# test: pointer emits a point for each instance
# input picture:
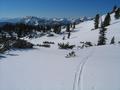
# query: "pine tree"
(68, 28)
(102, 37)
(117, 13)
(69, 34)
(114, 9)
(112, 40)
(57, 28)
(74, 25)
(107, 20)
(97, 21)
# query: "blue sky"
(55, 8)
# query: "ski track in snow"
(78, 74)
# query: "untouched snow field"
(94, 68)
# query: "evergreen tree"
(117, 13)
(71, 25)
(57, 28)
(97, 21)
(74, 25)
(107, 20)
(112, 40)
(68, 28)
(102, 37)
(114, 9)
(69, 34)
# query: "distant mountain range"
(31, 20)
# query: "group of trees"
(69, 26)
(117, 13)
(107, 19)
(116, 10)
(57, 28)
(19, 30)
(104, 23)
(102, 38)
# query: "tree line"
(20, 30)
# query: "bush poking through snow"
(47, 42)
(65, 46)
(50, 35)
(71, 54)
(118, 42)
(22, 44)
(85, 44)
(5, 45)
(19, 44)
(88, 44)
(112, 40)
(44, 45)
(2, 48)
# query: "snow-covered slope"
(94, 68)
